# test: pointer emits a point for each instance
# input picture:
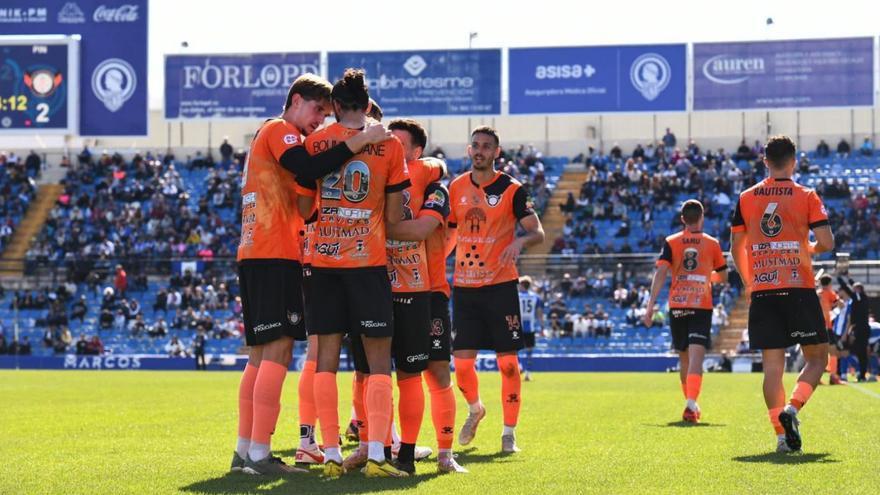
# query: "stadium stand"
(173, 226)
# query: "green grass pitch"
(173, 432)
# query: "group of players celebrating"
(345, 231)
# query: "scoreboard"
(39, 84)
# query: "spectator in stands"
(198, 349)
(161, 303)
(24, 349)
(226, 150)
(719, 316)
(620, 295)
(867, 148)
(566, 284)
(743, 152)
(823, 150)
(2, 343)
(137, 326)
(81, 344)
(174, 348)
(616, 153)
(79, 309)
(108, 300)
(669, 141)
(105, 320)
(33, 163)
(95, 346)
(158, 329)
(659, 317)
(843, 148)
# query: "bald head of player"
(485, 148)
(692, 215)
(411, 135)
(307, 103)
(779, 156)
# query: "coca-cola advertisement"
(122, 13)
(113, 56)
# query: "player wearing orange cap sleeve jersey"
(485, 207)
(695, 260)
(770, 243)
(348, 282)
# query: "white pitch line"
(864, 390)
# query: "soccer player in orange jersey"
(695, 260)
(828, 299)
(349, 290)
(486, 206)
(269, 256)
(770, 243)
(424, 226)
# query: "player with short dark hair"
(770, 243)
(696, 261)
(486, 207)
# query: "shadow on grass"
(778, 458)
(472, 456)
(351, 483)
(685, 424)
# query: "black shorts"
(529, 340)
(487, 318)
(271, 300)
(832, 337)
(782, 318)
(356, 301)
(410, 346)
(690, 326)
(441, 326)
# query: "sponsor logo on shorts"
(417, 357)
(266, 326)
(374, 324)
(679, 313)
(437, 328)
(403, 300)
(435, 344)
(696, 336)
(293, 317)
(803, 335)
